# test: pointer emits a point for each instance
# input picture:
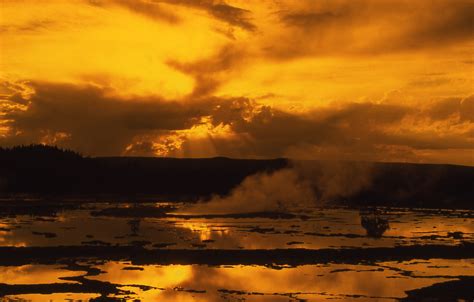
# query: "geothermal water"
(59, 251)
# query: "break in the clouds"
(95, 121)
(87, 118)
(367, 80)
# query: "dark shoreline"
(16, 256)
(50, 173)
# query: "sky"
(371, 80)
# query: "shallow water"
(254, 283)
(320, 228)
(74, 252)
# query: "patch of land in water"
(140, 256)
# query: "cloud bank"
(96, 122)
(368, 80)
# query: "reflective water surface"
(155, 252)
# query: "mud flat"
(139, 255)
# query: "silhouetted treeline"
(419, 185)
(49, 171)
(26, 152)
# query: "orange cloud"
(372, 80)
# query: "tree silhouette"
(39, 150)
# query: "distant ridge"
(50, 171)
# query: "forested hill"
(49, 171)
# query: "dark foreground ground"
(155, 252)
(141, 229)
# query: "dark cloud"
(145, 8)
(233, 15)
(443, 109)
(154, 9)
(428, 140)
(209, 73)
(367, 27)
(220, 10)
(94, 122)
(467, 109)
(355, 131)
(30, 27)
(149, 9)
(274, 131)
(430, 82)
(462, 109)
(453, 23)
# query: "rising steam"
(302, 184)
(277, 191)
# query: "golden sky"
(385, 80)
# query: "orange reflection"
(205, 230)
(382, 280)
(155, 276)
(35, 274)
(6, 239)
(78, 297)
(202, 283)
